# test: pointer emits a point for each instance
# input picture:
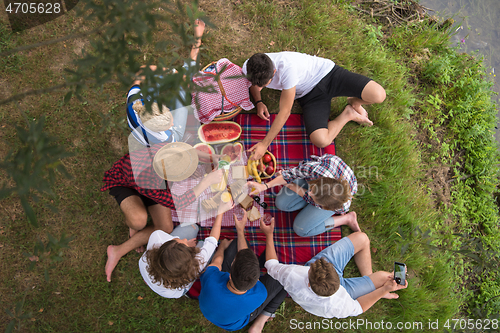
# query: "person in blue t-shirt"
(232, 295)
(146, 135)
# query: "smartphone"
(400, 273)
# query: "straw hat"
(175, 161)
(155, 121)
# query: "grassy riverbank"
(426, 169)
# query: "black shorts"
(316, 105)
(121, 193)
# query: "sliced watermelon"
(206, 148)
(219, 132)
(233, 151)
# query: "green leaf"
(28, 210)
(9, 313)
(10, 327)
(67, 97)
(32, 265)
(19, 307)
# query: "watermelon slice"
(233, 151)
(206, 148)
(219, 132)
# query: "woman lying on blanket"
(173, 261)
(322, 189)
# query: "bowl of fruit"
(263, 168)
(267, 165)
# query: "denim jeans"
(311, 220)
(179, 116)
(188, 232)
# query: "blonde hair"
(155, 120)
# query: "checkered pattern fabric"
(195, 213)
(136, 172)
(290, 147)
(328, 165)
(224, 95)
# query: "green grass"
(391, 160)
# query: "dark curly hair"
(260, 69)
(173, 264)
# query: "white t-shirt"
(294, 69)
(156, 239)
(295, 280)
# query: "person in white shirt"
(319, 286)
(313, 81)
(173, 262)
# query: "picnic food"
(212, 203)
(225, 197)
(269, 165)
(252, 169)
(233, 151)
(239, 172)
(222, 185)
(245, 201)
(254, 214)
(219, 132)
(206, 148)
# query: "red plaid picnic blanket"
(224, 95)
(290, 147)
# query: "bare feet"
(352, 221)
(112, 261)
(131, 233)
(259, 323)
(356, 105)
(390, 296)
(361, 116)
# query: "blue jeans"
(179, 116)
(188, 232)
(311, 220)
(339, 255)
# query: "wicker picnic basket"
(224, 115)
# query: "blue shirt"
(223, 308)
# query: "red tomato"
(267, 158)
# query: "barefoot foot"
(258, 324)
(352, 221)
(131, 233)
(390, 296)
(112, 261)
(358, 117)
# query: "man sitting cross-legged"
(313, 81)
(232, 295)
(320, 288)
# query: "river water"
(476, 31)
